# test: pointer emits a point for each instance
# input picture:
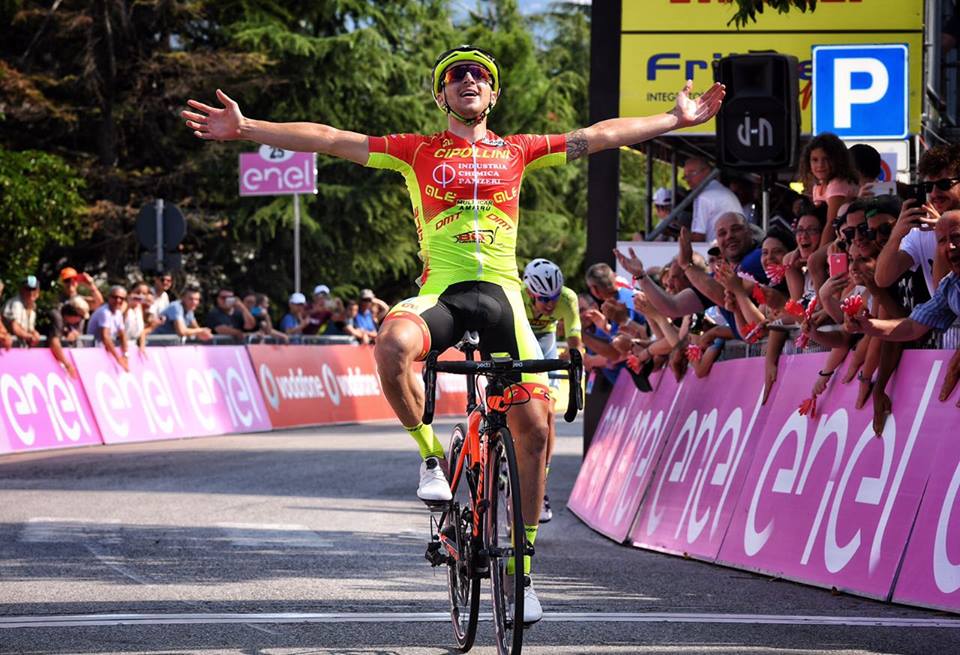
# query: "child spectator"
(827, 170)
(296, 319)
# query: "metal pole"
(160, 235)
(649, 172)
(674, 187)
(766, 203)
(296, 242)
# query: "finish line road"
(312, 541)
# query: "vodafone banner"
(312, 385)
(40, 405)
(704, 463)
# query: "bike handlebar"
(503, 366)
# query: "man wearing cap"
(20, 312)
(320, 311)
(65, 324)
(365, 319)
(295, 320)
(71, 280)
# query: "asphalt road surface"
(311, 542)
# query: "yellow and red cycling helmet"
(461, 54)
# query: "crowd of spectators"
(856, 267)
(853, 266)
(130, 314)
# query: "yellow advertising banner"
(714, 15)
(653, 67)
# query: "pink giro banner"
(826, 501)
(604, 448)
(41, 406)
(930, 575)
(141, 405)
(218, 392)
(705, 460)
(650, 419)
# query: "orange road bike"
(477, 533)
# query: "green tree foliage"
(747, 10)
(101, 83)
(40, 204)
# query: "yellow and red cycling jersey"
(465, 199)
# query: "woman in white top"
(135, 318)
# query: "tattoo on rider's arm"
(576, 145)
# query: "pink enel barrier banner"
(647, 423)
(218, 393)
(826, 501)
(604, 448)
(41, 406)
(141, 405)
(706, 458)
(930, 575)
(170, 393)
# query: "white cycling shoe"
(434, 487)
(532, 610)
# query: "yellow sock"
(531, 532)
(426, 441)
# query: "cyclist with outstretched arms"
(463, 184)
(547, 303)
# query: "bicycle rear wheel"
(502, 530)
(463, 584)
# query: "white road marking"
(46, 530)
(283, 535)
(90, 620)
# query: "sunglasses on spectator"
(867, 232)
(117, 297)
(546, 299)
(458, 73)
(812, 231)
(944, 184)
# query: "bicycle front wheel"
(463, 583)
(505, 542)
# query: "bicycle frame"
(484, 421)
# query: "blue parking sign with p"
(861, 91)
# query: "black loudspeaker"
(758, 127)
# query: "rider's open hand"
(691, 112)
(212, 123)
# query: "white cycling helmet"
(543, 277)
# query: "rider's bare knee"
(396, 349)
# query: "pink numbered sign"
(276, 172)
